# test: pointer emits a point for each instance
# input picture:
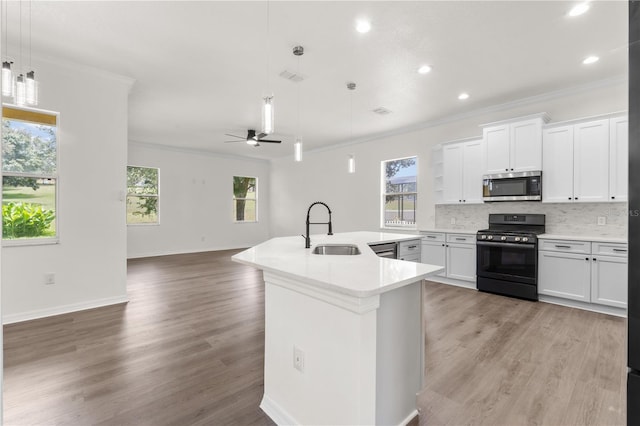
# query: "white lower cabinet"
(587, 272)
(565, 275)
(409, 250)
(455, 252)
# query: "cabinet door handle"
(569, 197)
(620, 250)
(511, 169)
(506, 170)
(586, 258)
(431, 236)
(461, 239)
(412, 247)
(443, 245)
(594, 259)
(559, 246)
(575, 198)
(613, 197)
(464, 201)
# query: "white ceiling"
(201, 67)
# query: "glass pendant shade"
(21, 90)
(267, 115)
(352, 164)
(297, 150)
(7, 79)
(31, 92)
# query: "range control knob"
(483, 237)
(525, 239)
(490, 237)
(517, 239)
(503, 238)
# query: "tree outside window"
(245, 199)
(400, 192)
(29, 174)
(142, 195)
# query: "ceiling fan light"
(7, 79)
(351, 163)
(297, 150)
(31, 89)
(267, 115)
(21, 90)
(252, 142)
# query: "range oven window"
(505, 261)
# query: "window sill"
(31, 242)
(245, 221)
(144, 224)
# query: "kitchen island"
(343, 333)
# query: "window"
(245, 199)
(399, 192)
(142, 195)
(29, 175)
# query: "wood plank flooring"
(188, 350)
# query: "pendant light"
(267, 101)
(7, 74)
(297, 146)
(31, 85)
(351, 159)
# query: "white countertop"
(361, 275)
(450, 231)
(597, 239)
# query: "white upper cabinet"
(462, 172)
(557, 160)
(514, 146)
(585, 161)
(618, 159)
(591, 161)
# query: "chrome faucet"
(307, 239)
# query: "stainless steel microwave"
(515, 186)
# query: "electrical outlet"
(49, 279)
(298, 359)
(453, 220)
(602, 220)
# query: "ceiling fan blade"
(235, 136)
(256, 145)
(261, 135)
(234, 141)
(268, 141)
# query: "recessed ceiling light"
(590, 60)
(463, 96)
(579, 9)
(424, 69)
(363, 26)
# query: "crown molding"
(195, 151)
(573, 90)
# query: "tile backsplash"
(580, 219)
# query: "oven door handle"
(510, 245)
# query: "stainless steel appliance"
(507, 255)
(633, 309)
(389, 250)
(514, 186)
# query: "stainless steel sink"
(336, 249)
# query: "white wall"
(196, 209)
(355, 198)
(89, 262)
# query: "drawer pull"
(620, 250)
(559, 246)
(461, 239)
(431, 236)
(412, 247)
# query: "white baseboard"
(188, 251)
(63, 309)
(451, 281)
(276, 413)
(593, 307)
(410, 417)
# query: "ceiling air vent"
(292, 76)
(382, 111)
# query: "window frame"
(384, 194)
(36, 241)
(157, 195)
(234, 199)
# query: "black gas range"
(507, 255)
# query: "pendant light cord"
(5, 9)
(268, 50)
(30, 34)
(21, 64)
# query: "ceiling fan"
(252, 138)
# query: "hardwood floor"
(188, 350)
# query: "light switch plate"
(602, 220)
(453, 220)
